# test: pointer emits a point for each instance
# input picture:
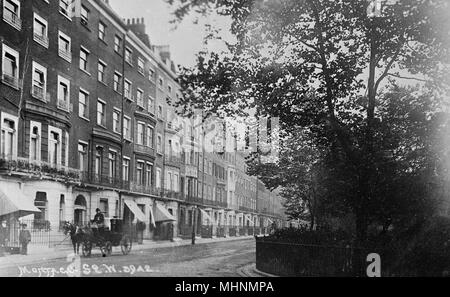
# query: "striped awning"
(204, 213)
(15, 203)
(249, 219)
(132, 206)
(163, 215)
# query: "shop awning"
(248, 218)
(15, 203)
(135, 210)
(163, 215)
(204, 213)
(152, 217)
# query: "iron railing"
(38, 168)
(194, 199)
(290, 259)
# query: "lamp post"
(194, 223)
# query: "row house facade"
(87, 122)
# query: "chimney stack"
(137, 25)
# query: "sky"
(185, 40)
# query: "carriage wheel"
(125, 245)
(106, 249)
(87, 249)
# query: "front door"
(78, 217)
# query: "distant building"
(86, 124)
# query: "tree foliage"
(328, 70)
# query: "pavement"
(37, 254)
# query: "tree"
(320, 66)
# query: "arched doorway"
(80, 206)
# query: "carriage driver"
(99, 221)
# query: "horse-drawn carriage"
(113, 233)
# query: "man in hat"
(99, 221)
(24, 239)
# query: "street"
(220, 259)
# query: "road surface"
(221, 259)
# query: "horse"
(76, 235)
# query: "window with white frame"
(83, 104)
(158, 178)
(140, 133)
(10, 66)
(35, 141)
(168, 182)
(101, 71)
(159, 144)
(126, 169)
(148, 174)
(128, 90)
(160, 83)
(39, 87)
(54, 146)
(175, 182)
(150, 136)
(112, 160)
(9, 136)
(127, 128)
(151, 105)
(11, 13)
(169, 89)
(129, 56)
(118, 44)
(151, 73)
(64, 7)
(40, 29)
(140, 98)
(116, 120)
(101, 112)
(66, 151)
(140, 66)
(84, 15)
(84, 56)
(117, 82)
(98, 165)
(101, 31)
(82, 156)
(64, 46)
(63, 93)
(140, 172)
